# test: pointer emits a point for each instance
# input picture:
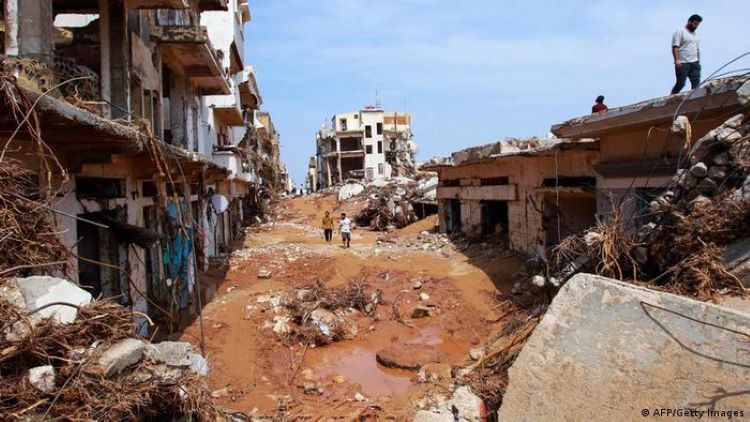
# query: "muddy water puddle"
(355, 360)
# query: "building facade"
(146, 114)
(364, 145)
(529, 193)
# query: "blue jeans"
(687, 70)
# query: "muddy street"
(436, 302)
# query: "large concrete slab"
(607, 350)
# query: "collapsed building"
(141, 122)
(516, 189)
(363, 145)
(537, 192)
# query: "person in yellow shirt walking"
(328, 227)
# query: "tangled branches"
(28, 233)
(82, 393)
(321, 314)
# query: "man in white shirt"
(687, 54)
(345, 226)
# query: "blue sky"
(470, 71)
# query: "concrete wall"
(608, 350)
(523, 192)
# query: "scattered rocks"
(699, 170)
(707, 186)
(476, 354)
(424, 297)
(121, 355)
(43, 378)
(408, 356)
(421, 311)
(538, 281)
(220, 393)
(417, 284)
(313, 388)
(173, 353)
(264, 273)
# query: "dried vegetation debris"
(92, 368)
(317, 315)
(681, 247)
(681, 244)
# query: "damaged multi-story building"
(363, 145)
(535, 192)
(150, 116)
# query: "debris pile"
(28, 236)
(390, 204)
(64, 356)
(682, 245)
(425, 241)
(694, 241)
(318, 315)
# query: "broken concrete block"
(476, 353)
(610, 348)
(121, 355)
(264, 273)
(424, 297)
(538, 281)
(173, 353)
(699, 170)
(421, 311)
(42, 378)
(198, 364)
(408, 356)
(39, 291)
(707, 186)
(717, 173)
(350, 190)
(359, 397)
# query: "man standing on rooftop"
(686, 54)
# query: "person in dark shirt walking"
(599, 106)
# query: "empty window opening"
(99, 244)
(342, 124)
(351, 144)
(570, 182)
(99, 188)
(493, 181)
(567, 215)
(368, 149)
(453, 216)
(380, 128)
(368, 131)
(380, 147)
(494, 217)
(449, 182)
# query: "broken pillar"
(611, 350)
(36, 29)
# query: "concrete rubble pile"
(439, 243)
(65, 356)
(694, 241)
(696, 237)
(318, 315)
(390, 204)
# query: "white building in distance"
(363, 145)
